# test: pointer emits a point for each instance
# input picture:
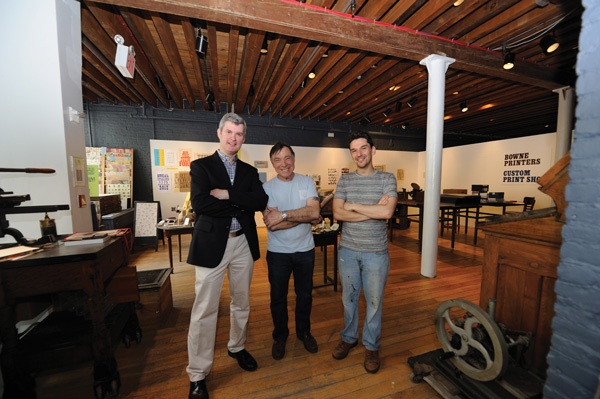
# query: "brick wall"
(574, 358)
(134, 127)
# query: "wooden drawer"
(529, 257)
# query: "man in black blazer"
(225, 194)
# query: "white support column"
(564, 122)
(437, 66)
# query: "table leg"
(454, 210)
(475, 232)
(420, 228)
(324, 264)
(170, 245)
(179, 241)
(467, 221)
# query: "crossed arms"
(352, 212)
(311, 213)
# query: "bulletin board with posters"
(110, 171)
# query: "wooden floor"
(155, 368)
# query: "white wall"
(40, 76)
(484, 163)
(462, 167)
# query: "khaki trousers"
(238, 263)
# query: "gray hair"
(233, 118)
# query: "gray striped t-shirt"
(369, 235)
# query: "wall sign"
(522, 167)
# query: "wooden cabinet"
(520, 261)
(93, 292)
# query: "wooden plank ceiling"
(365, 54)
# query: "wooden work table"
(174, 230)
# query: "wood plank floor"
(155, 368)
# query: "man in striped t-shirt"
(363, 200)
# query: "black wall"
(119, 126)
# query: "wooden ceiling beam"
(87, 69)
(234, 34)
(262, 80)
(427, 13)
(89, 95)
(99, 91)
(139, 28)
(353, 102)
(89, 58)
(312, 24)
(93, 54)
(335, 66)
(478, 17)
(166, 36)
(254, 41)
(112, 26)
(190, 39)
(304, 66)
(291, 57)
(213, 57)
(340, 81)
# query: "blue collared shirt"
(230, 167)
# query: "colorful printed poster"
(170, 159)
(159, 157)
(93, 180)
(163, 182)
(181, 182)
(185, 157)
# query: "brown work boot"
(371, 361)
(342, 349)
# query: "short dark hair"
(233, 118)
(278, 147)
(360, 135)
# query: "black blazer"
(213, 216)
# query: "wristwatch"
(284, 216)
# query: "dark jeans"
(281, 267)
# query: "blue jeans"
(369, 271)
(281, 266)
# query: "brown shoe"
(372, 361)
(310, 344)
(342, 349)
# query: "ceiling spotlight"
(398, 106)
(387, 112)
(404, 126)
(265, 47)
(201, 43)
(463, 107)
(509, 60)
(312, 74)
(210, 97)
(411, 103)
(549, 44)
(325, 54)
(303, 83)
(458, 2)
